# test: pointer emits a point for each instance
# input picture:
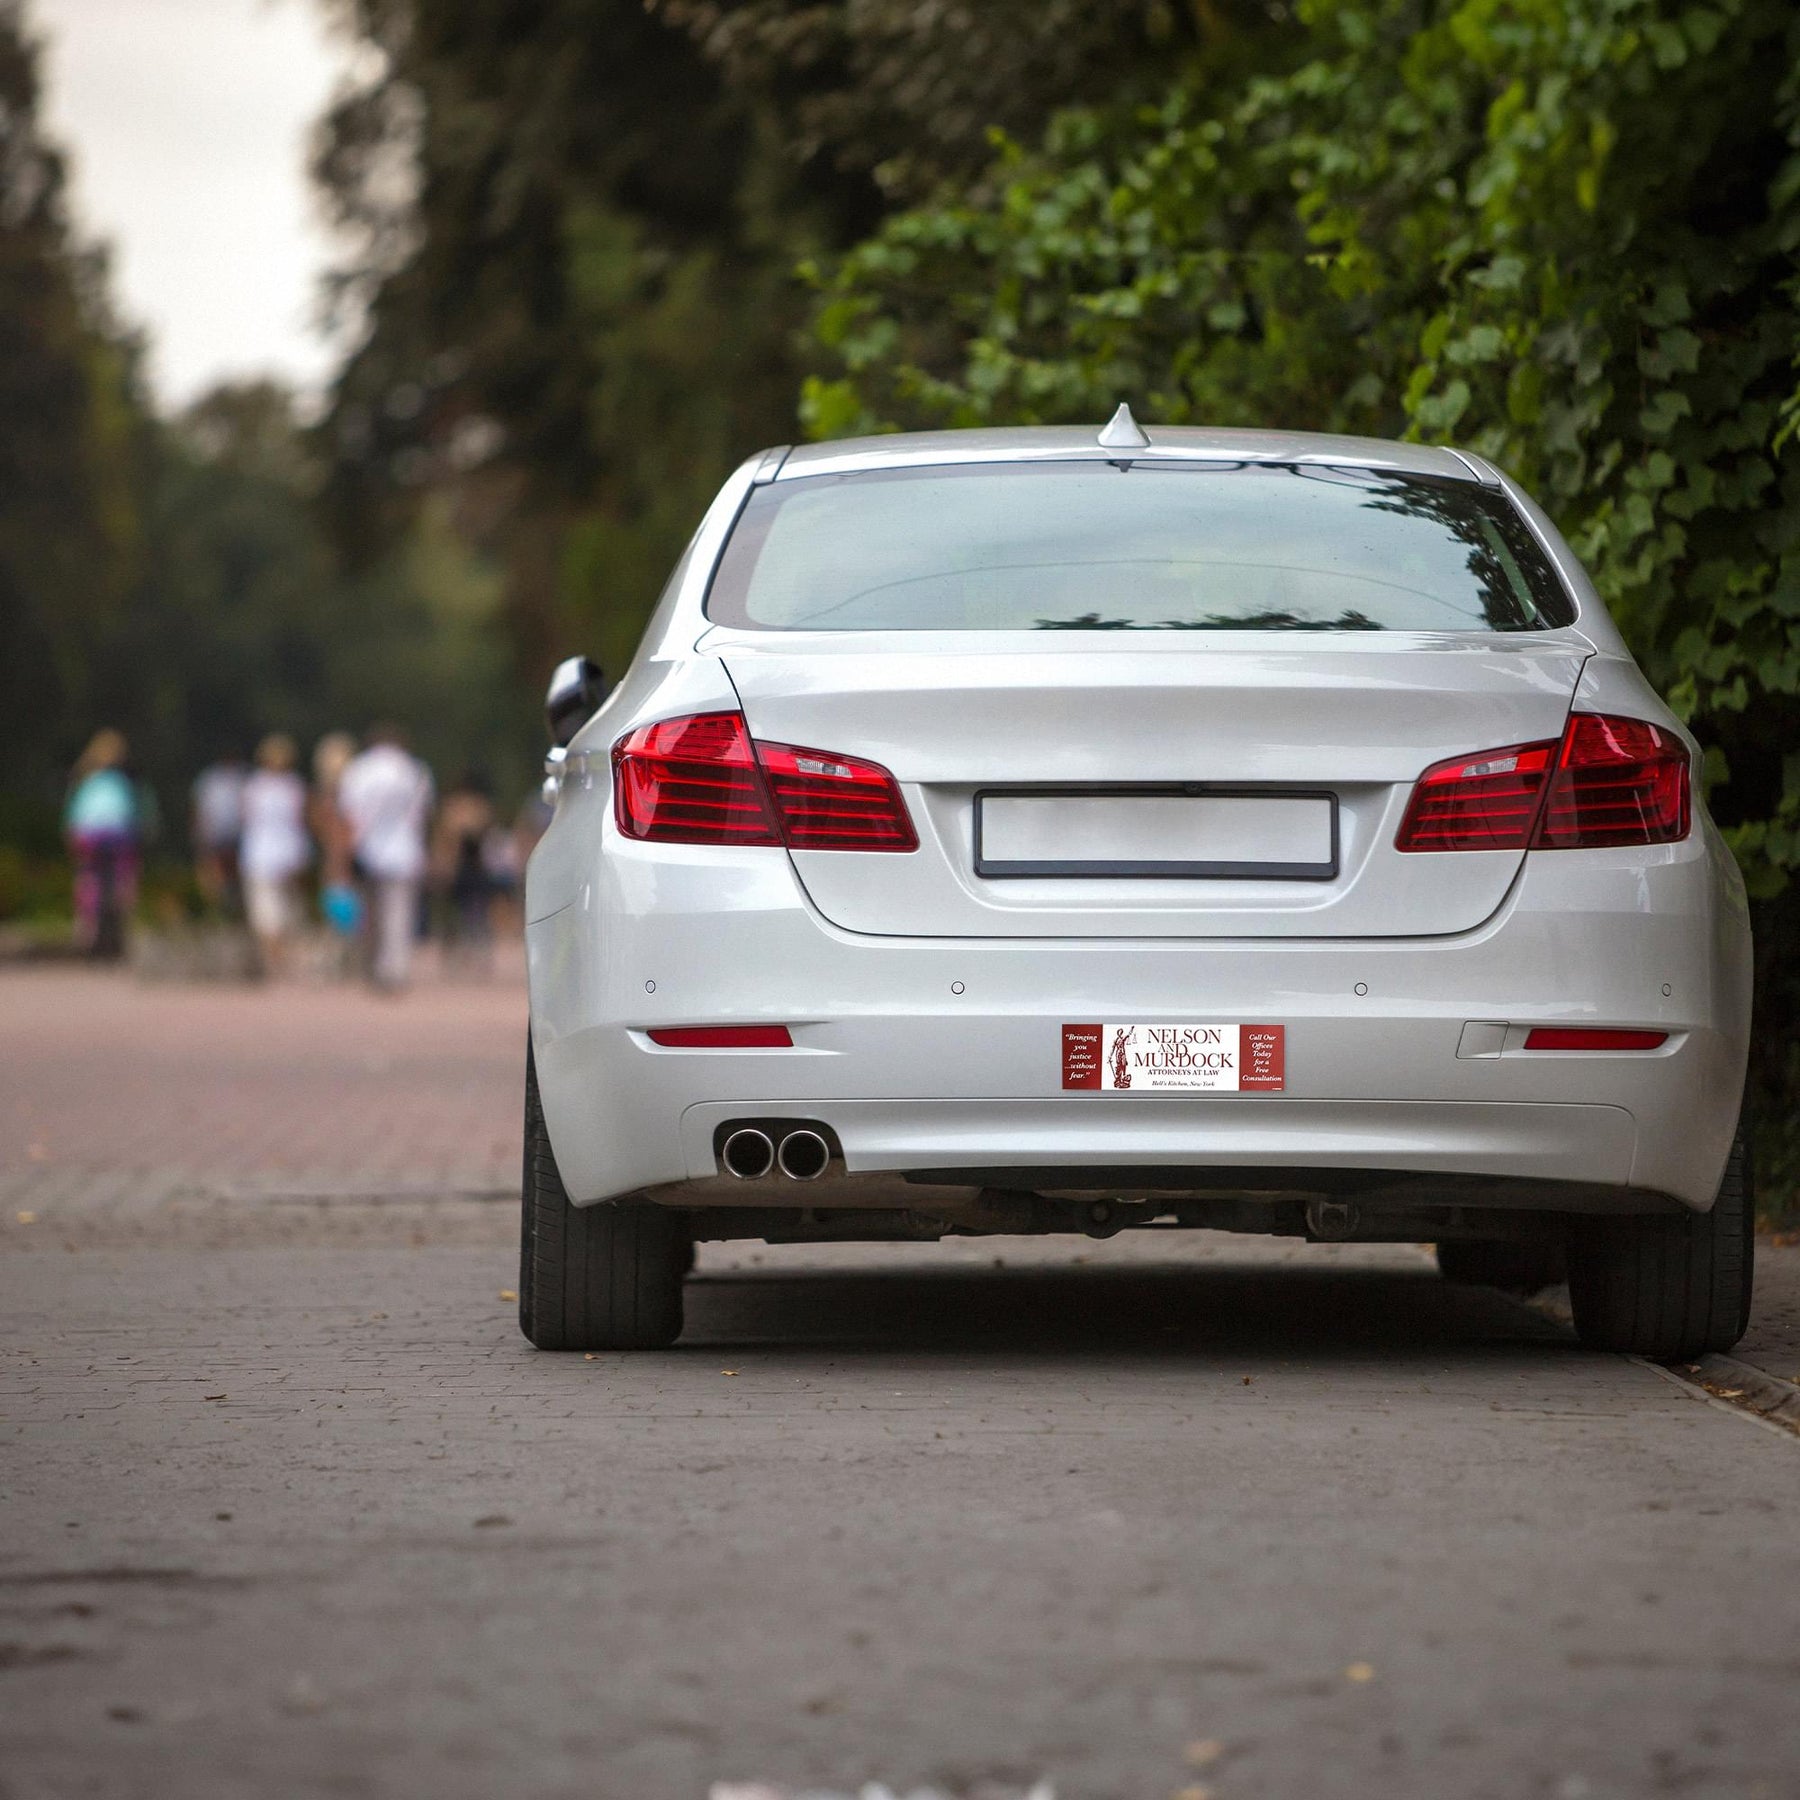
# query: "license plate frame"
(1013, 868)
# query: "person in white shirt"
(218, 831)
(386, 797)
(274, 848)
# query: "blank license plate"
(1290, 837)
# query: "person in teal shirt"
(104, 822)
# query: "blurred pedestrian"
(386, 797)
(275, 849)
(338, 898)
(504, 861)
(459, 869)
(105, 822)
(216, 824)
(532, 822)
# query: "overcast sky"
(185, 122)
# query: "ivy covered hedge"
(1565, 233)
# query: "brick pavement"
(118, 1096)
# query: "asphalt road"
(288, 1508)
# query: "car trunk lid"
(1249, 786)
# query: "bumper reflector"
(722, 1037)
(1556, 1037)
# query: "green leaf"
(1666, 409)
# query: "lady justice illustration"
(1121, 1066)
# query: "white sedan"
(1060, 830)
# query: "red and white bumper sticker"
(1175, 1059)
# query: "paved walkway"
(1250, 1521)
(119, 1096)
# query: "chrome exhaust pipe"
(1332, 1221)
(804, 1156)
(748, 1154)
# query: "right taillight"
(1488, 801)
(705, 780)
(1609, 781)
(1618, 781)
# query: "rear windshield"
(1145, 546)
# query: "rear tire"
(1669, 1289)
(605, 1277)
(1512, 1267)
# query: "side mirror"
(576, 690)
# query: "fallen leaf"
(27, 1218)
(1201, 1752)
(214, 1396)
(1248, 1379)
(508, 1294)
(488, 1519)
(1360, 1671)
(728, 1371)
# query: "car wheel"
(1669, 1289)
(1512, 1267)
(604, 1277)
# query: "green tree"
(574, 256)
(910, 93)
(173, 577)
(1563, 232)
(245, 621)
(68, 527)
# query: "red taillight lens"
(691, 781)
(702, 780)
(1609, 781)
(1618, 781)
(830, 802)
(722, 1037)
(1557, 1037)
(1488, 801)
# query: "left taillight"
(1608, 781)
(705, 780)
(691, 781)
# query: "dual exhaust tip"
(750, 1153)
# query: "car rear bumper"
(936, 1056)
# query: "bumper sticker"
(1174, 1059)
